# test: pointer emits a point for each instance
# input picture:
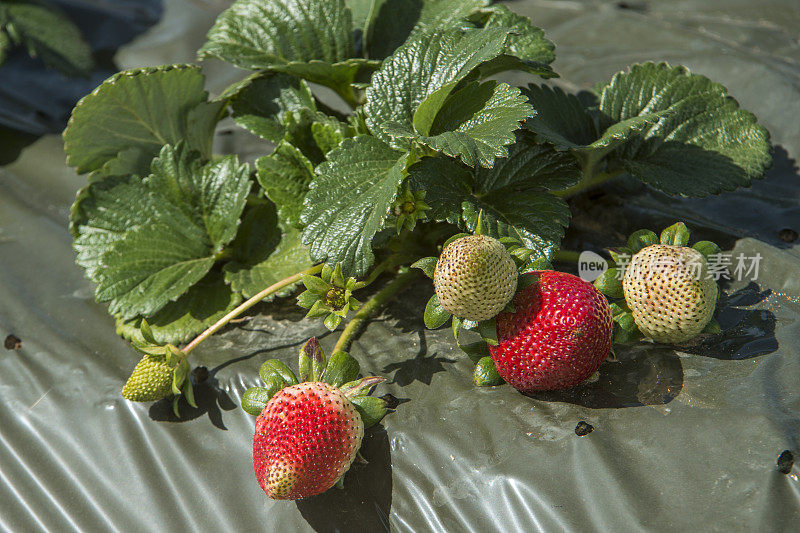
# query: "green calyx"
(329, 295)
(162, 372)
(341, 370)
(486, 374)
(409, 208)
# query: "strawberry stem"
(244, 306)
(388, 263)
(588, 182)
(371, 306)
(567, 256)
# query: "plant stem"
(244, 306)
(386, 264)
(567, 256)
(371, 306)
(588, 183)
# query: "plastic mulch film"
(682, 440)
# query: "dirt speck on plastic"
(788, 235)
(785, 462)
(12, 342)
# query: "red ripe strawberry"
(557, 336)
(306, 438)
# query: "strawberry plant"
(421, 147)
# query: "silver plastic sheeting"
(682, 440)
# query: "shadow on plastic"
(366, 499)
(746, 333)
(210, 400)
(642, 374)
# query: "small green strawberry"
(162, 371)
(150, 381)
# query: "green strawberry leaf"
(620, 254)
(285, 175)
(311, 361)
(361, 387)
(625, 328)
(338, 76)
(487, 329)
(427, 265)
(141, 109)
(314, 133)
(713, 327)
(332, 321)
(704, 144)
(46, 33)
(453, 237)
(512, 198)
(706, 248)
(264, 254)
(397, 21)
(258, 35)
(475, 350)
(430, 65)
(260, 104)
(147, 333)
(562, 120)
(145, 242)
(474, 124)
(134, 287)
(349, 202)
(641, 239)
(610, 283)
(363, 12)
(623, 336)
(626, 321)
(188, 316)
(311, 39)
(329, 132)
(259, 233)
(527, 48)
(131, 160)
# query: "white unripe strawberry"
(475, 277)
(669, 292)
